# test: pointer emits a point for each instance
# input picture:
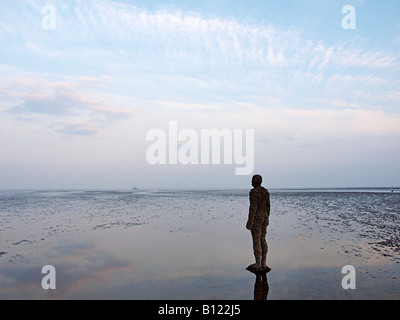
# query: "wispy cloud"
(81, 128)
(177, 40)
(67, 106)
(172, 56)
(122, 36)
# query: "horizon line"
(199, 188)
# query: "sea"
(181, 244)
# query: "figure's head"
(256, 181)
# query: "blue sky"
(77, 101)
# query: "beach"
(193, 244)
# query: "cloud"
(352, 56)
(361, 58)
(63, 98)
(295, 136)
(188, 35)
(113, 33)
(168, 38)
(80, 129)
(70, 109)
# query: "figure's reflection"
(261, 287)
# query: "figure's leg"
(264, 245)
(257, 249)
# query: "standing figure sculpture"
(257, 223)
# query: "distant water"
(192, 244)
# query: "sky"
(82, 83)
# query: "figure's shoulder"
(255, 190)
(265, 191)
(259, 191)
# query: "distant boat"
(134, 188)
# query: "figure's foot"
(265, 269)
(255, 268)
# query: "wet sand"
(192, 244)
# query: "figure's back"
(261, 196)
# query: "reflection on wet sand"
(261, 287)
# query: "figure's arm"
(268, 206)
(252, 211)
